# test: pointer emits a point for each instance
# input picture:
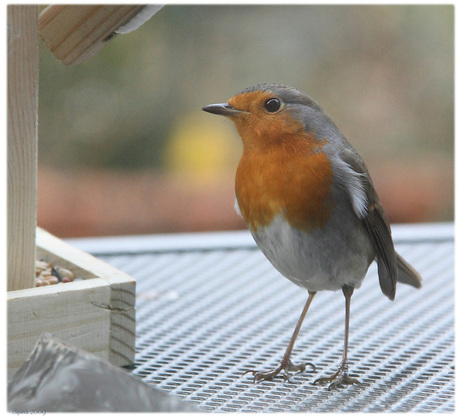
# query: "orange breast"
(289, 178)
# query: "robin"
(308, 200)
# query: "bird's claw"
(338, 379)
(285, 367)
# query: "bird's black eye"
(272, 105)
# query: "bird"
(308, 200)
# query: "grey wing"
(367, 207)
(379, 231)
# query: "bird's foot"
(338, 379)
(286, 366)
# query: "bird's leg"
(286, 364)
(341, 377)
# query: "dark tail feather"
(407, 274)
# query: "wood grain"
(96, 314)
(22, 144)
(74, 33)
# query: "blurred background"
(124, 147)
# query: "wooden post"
(22, 144)
(96, 313)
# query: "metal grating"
(205, 316)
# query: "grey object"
(210, 306)
(57, 377)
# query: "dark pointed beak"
(223, 109)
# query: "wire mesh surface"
(205, 315)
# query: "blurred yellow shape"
(202, 149)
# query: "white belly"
(322, 259)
